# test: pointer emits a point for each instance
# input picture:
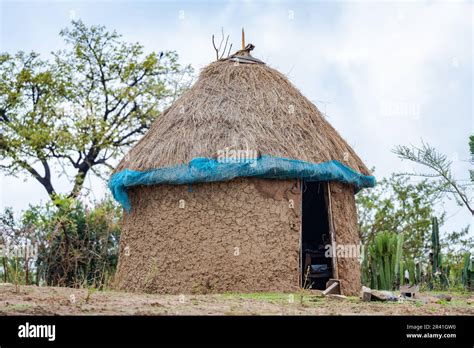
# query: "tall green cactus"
(436, 263)
(468, 272)
(417, 273)
(401, 273)
(398, 268)
(385, 253)
(438, 271)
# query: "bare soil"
(32, 300)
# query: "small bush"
(74, 245)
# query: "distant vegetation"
(62, 244)
(400, 222)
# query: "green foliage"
(440, 171)
(407, 209)
(400, 206)
(447, 254)
(76, 246)
(16, 250)
(436, 247)
(410, 266)
(468, 271)
(398, 256)
(81, 109)
(440, 271)
(383, 261)
(447, 258)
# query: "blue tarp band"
(211, 170)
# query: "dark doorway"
(316, 268)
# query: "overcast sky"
(384, 73)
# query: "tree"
(440, 169)
(81, 109)
(397, 205)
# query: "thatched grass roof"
(240, 106)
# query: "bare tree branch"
(439, 163)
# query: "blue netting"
(209, 170)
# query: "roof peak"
(245, 51)
(244, 56)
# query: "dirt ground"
(32, 300)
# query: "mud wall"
(241, 235)
(344, 216)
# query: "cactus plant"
(398, 256)
(468, 272)
(436, 250)
(439, 273)
(418, 273)
(385, 253)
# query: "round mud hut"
(241, 185)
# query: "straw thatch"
(240, 106)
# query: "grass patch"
(19, 307)
(453, 292)
(354, 299)
(457, 303)
(261, 296)
(419, 304)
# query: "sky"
(383, 73)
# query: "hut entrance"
(315, 235)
